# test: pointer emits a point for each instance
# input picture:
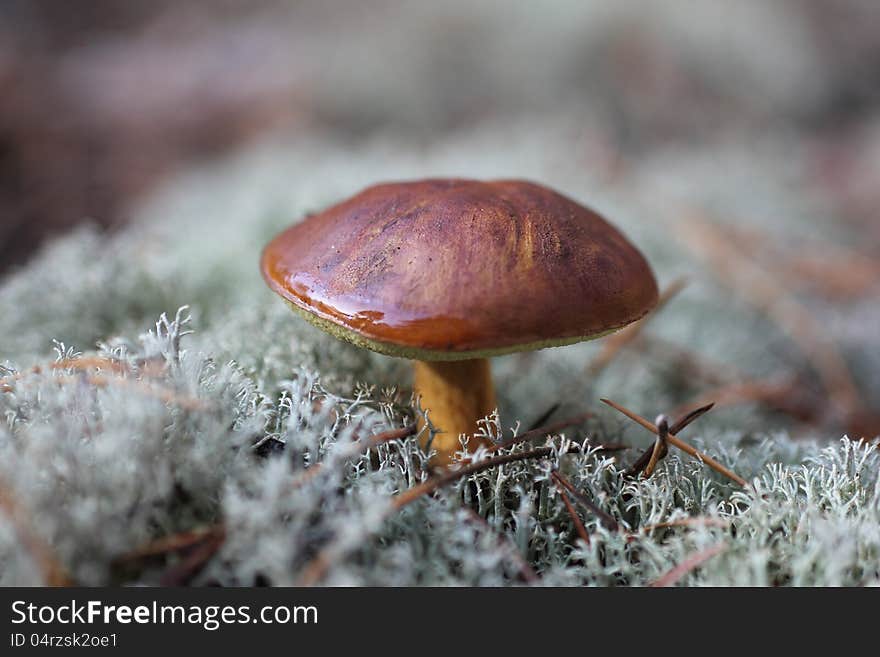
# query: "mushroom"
(450, 272)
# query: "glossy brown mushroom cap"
(453, 269)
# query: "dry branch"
(677, 442)
(689, 564)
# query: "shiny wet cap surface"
(450, 268)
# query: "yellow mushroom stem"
(456, 394)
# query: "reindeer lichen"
(247, 436)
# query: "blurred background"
(102, 100)
(756, 123)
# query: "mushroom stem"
(457, 394)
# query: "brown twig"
(697, 521)
(613, 344)
(682, 522)
(318, 566)
(90, 362)
(575, 519)
(78, 363)
(7, 381)
(359, 447)
(643, 461)
(102, 381)
(195, 562)
(767, 294)
(388, 436)
(660, 449)
(172, 543)
(211, 538)
(53, 573)
(411, 495)
(541, 432)
(607, 521)
(686, 566)
(163, 394)
(680, 444)
(687, 418)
